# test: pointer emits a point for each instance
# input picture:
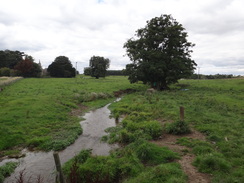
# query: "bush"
(5, 71)
(177, 128)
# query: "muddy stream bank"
(42, 164)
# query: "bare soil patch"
(79, 111)
(186, 160)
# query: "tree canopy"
(28, 68)
(10, 58)
(98, 66)
(61, 67)
(160, 53)
(16, 63)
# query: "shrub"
(5, 71)
(177, 128)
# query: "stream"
(42, 164)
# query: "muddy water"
(42, 164)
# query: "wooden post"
(117, 120)
(182, 113)
(58, 167)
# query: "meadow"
(213, 107)
(34, 112)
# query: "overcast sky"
(80, 29)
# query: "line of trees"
(215, 76)
(16, 63)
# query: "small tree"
(99, 66)
(28, 68)
(160, 53)
(87, 71)
(61, 67)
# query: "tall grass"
(122, 164)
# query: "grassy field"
(213, 107)
(34, 111)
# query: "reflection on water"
(42, 163)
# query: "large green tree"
(160, 53)
(98, 66)
(10, 58)
(61, 67)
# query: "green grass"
(125, 163)
(6, 170)
(214, 107)
(34, 111)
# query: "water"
(42, 164)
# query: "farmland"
(34, 112)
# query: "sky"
(80, 29)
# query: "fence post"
(182, 115)
(117, 120)
(58, 167)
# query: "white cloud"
(80, 29)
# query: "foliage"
(115, 72)
(61, 67)
(98, 66)
(169, 172)
(177, 128)
(5, 71)
(13, 64)
(10, 58)
(160, 54)
(87, 71)
(28, 68)
(6, 170)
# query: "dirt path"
(187, 158)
